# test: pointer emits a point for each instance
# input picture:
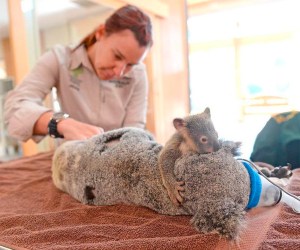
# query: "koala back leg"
(61, 162)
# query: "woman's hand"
(75, 130)
(69, 128)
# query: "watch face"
(59, 116)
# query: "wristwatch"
(52, 125)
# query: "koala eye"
(203, 139)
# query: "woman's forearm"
(41, 125)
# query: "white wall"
(73, 31)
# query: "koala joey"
(194, 133)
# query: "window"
(241, 54)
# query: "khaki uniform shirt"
(109, 104)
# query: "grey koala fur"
(121, 166)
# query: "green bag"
(278, 143)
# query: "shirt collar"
(79, 57)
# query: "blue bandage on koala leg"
(255, 186)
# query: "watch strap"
(52, 125)
(52, 129)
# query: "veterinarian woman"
(101, 83)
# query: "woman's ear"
(100, 32)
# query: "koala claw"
(179, 187)
(173, 198)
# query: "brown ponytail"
(126, 17)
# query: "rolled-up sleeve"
(24, 105)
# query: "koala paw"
(282, 172)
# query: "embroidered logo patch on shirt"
(74, 75)
(120, 83)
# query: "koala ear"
(179, 123)
(207, 111)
